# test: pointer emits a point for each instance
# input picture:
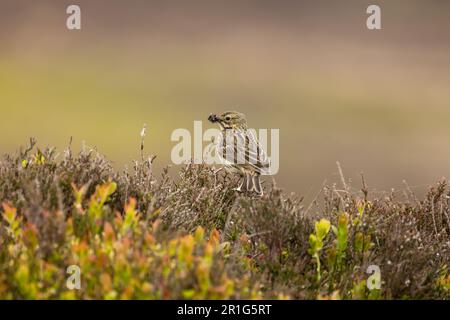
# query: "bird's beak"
(213, 118)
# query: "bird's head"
(229, 120)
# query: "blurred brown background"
(377, 101)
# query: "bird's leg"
(257, 185)
(249, 186)
(242, 185)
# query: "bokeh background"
(377, 101)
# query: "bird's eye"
(228, 118)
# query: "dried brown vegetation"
(269, 247)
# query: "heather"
(135, 234)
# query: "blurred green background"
(377, 101)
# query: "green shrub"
(137, 236)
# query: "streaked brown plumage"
(240, 151)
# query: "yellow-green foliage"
(321, 228)
(120, 257)
(133, 235)
(336, 253)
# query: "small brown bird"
(240, 151)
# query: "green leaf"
(188, 293)
(335, 230)
(359, 240)
(322, 228)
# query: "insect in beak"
(213, 118)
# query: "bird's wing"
(257, 156)
(241, 148)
